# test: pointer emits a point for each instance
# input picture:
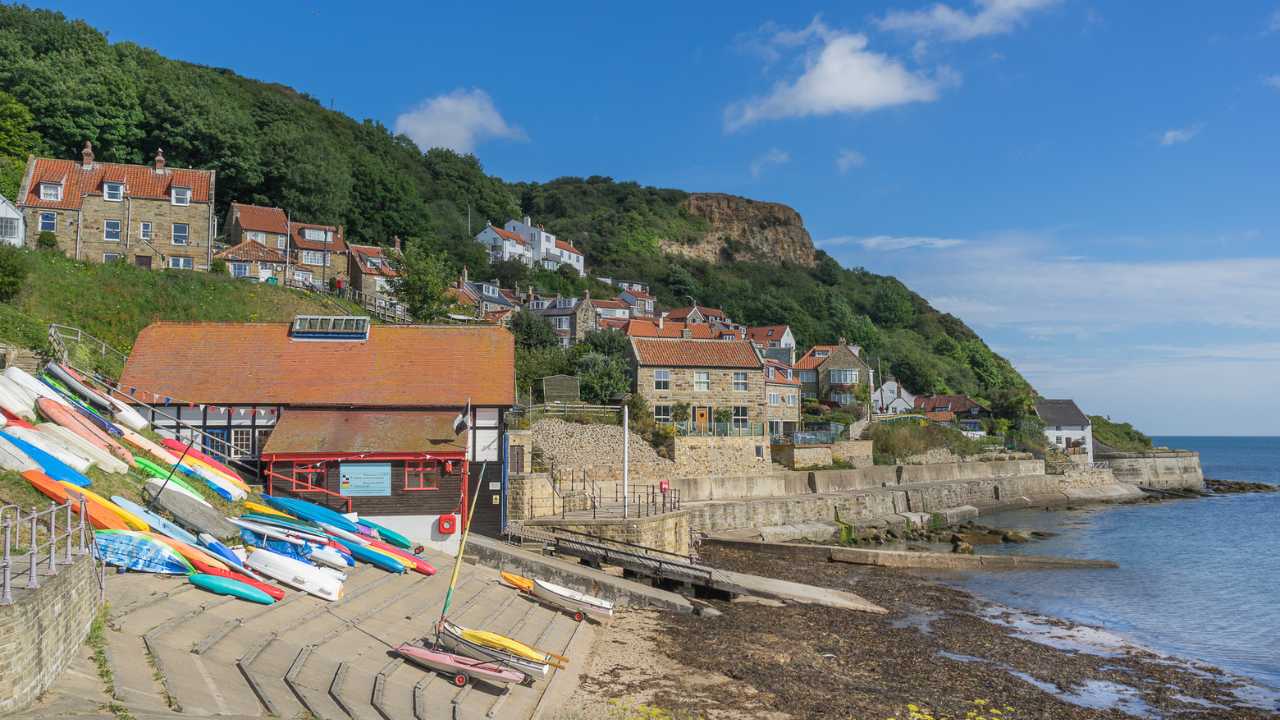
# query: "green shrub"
(218, 266)
(46, 240)
(13, 271)
(1121, 436)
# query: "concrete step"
(317, 700)
(135, 683)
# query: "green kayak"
(227, 586)
(156, 470)
(389, 536)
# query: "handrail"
(72, 534)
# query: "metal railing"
(72, 342)
(583, 502)
(42, 555)
(693, 428)
(647, 560)
(385, 308)
(522, 418)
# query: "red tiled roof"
(398, 366)
(355, 431)
(958, 404)
(611, 304)
(766, 333)
(250, 251)
(508, 235)
(638, 294)
(809, 361)
(140, 181)
(301, 242)
(684, 312)
(637, 327)
(665, 352)
(263, 219)
(497, 316)
(944, 416)
(566, 247)
(362, 253)
(780, 373)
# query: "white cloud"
(773, 157)
(1272, 81)
(1177, 136)
(840, 75)
(457, 120)
(887, 243)
(1274, 24)
(848, 159)
(991, 17)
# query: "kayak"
(72, 420)
(178, 447)
(387, 535)
(295, 573)
(15, 404)
(11, 458)
(416, 563)
(261, 509)
(300, 527)
(451, 637)
(580, 604)
(13, 420)
(81, 446)
(101, 518)
(459, 668)
(52, 466)
(222, 552)
(310, 511)
(227, 586)
(267, 531)
(195, 515)
(75, 461)
(216, 482)
(33, 386)
(25, 398)
(267, 588)
(122, 412)
(143, 443)
(138, 551)
(523, 584)
(133, 521)
(83, 392)
(194, 555)
(508, 645)
(373, 557)
(157, 523)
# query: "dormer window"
(314, 235)
(490, 290)
(50, 191)
(821, 353)
(113, 191)
(180, 195)
(375, 263)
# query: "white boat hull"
(296, 574)
(571, 600)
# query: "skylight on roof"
(330, 327)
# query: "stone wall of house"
(131, 213)
(854, 452)
(721, 456)
(782, 411)
(720, 392)
(530, 495)
(800, 457)
(42, 631)
(668, 532)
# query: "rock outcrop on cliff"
(743, 229)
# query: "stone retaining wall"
(1175, 469)
(799, 457)
(668, 532)
(854, 452)
(42, 631)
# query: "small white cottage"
(12, 226)
(891, 397)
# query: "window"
(257, 236)
(844, 376)
(48, 222)
(238, 269)
(791, 400)
(181, 234)
(302, 275)
(842, 398)
(808, 376)
(50, 191)
(241, 442)
(562, 322)
(381, 285)
(701, 381)
(740, 381)
(181, 263)
(662, 414)
(490, 290)
(111, 257)
(111, 230)
(775, 399)
(315, 257)
(314, 235)
(374, 262)
(661, 379)
(144, 230)
(9, 228)
(821, 353)
(180, 196)
(113, 191)
(420, 475)
(740, 421)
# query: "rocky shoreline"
(940, 652)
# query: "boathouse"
(383, 420)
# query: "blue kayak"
(311, 511)
(287, 549)
(211, 544)
(52, 466)
(374, 558)
(156, 522)
(137, 551)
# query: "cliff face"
(745, 229)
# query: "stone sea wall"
(1168, 470)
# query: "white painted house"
(1066, 425)
(504, 244)
(891, 397)
(12, 226)
(548, 250)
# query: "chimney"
(464, 274)
(843, 341)
(160, 160)
(87, 155)
(686, 333)
(528, 221)
(395, 239)
(662, 317)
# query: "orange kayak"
(523, 584)
(194, 555)
(71, 420)
(100, 517)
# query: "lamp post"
(626, 455)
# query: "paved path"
(176, 651)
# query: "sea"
(1198, 579)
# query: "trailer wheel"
(578, 616)
(460, 679)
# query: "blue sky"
(1094, 187)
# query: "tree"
(1012, 403)
(218, 267)
(603, 379)
(423, 285)
(13, 270)
(610, 343)
(533, 331)
(534, 364)
(891, 305)
(17, 140)
(509, 273)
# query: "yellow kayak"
(265, 510)
(515, 647)
(129, 518)
(523, 584)
(408, 564)
(196, 462)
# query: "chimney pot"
(87, 154)
(160, 160)
(528, 221)
(686, 333)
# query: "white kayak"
(272, 532)
(156, 483)
(34, 386)
(71, 459)
(296, 574)
(25, 396)
(11, 458)
(126, 415)
(580, 604)
(80, 446)
(15, 402)
(143, 443)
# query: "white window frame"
(317, 258)
(808, 376)
(303, 275)
(106, 230)
(186, 234)
(315, 235)
(662, 379)
(701, 381)
(257, 236)
(109, 195)
(9, 228)
(662, 414)
(740, 382)
(180, 195)
(562, 322)
(241, 442)
(111, 257)
(51, 191)
(791, 400)
(238, 269)
(179, 262)
(52, 219)
(381, 284)
(844, 376)
(145, 230)
(282, 242)
(741, 420)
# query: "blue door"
(216, 441)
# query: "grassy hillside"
(1121, 436)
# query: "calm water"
(1198, 578)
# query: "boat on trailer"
(460, 669)
(579, 604)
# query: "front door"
(702, 418)
(142, 261)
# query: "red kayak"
(14, 420)
(181, 447)
(419, 564)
